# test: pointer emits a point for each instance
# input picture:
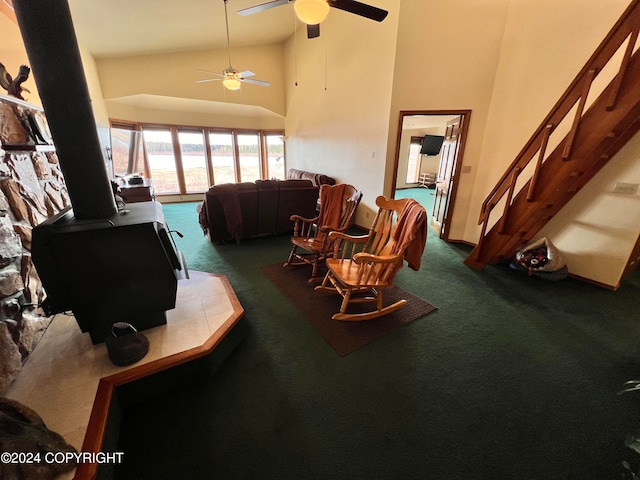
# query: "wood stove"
(105, 265)
(122, 268)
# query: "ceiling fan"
(313, 12)
(230, 77)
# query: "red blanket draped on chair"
(413, 239)
(331, 198)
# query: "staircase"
(587, 133)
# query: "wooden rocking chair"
(363, 266)
(311, 243)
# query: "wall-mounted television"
(431, 144)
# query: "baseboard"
(593, 282)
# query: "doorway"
(410, 170)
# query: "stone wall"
(32, 189)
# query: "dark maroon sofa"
(240, 210)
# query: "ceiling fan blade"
(262, 7)
(246, 73)
(255, 82)
(362, 9)
(313, 31)
(209, 80)
(210, 73)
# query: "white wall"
(342, 130)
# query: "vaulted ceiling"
(125, 27)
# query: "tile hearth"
(60, 378)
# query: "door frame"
(466, 117)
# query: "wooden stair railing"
(596, 134)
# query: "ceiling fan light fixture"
(231, 83)
(311, 12)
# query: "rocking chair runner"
(311, 242)
(363, 266)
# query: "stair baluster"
(617, 82)
(586, 86)
(531, 194)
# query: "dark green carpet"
(512, 378)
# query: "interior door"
(446, 178)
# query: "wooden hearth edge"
(97, 422)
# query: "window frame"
(205, 130)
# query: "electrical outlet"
(466, 169)
(626, 188)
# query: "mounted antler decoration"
(13, 86)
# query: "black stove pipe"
(50, 40)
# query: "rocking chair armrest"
(304, 227)
(327, 228)
(335, 234)
(370, 258)
(298, 218)
(345, 245)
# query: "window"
(194, 161)
(162, 160)
(413, 163)
(275, 156)
(249, 157)
(222, 157)
(126, 150)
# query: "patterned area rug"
(318, 307)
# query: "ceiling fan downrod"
(226, 22)
(230, 79)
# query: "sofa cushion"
(268, 191)
(248, 195)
